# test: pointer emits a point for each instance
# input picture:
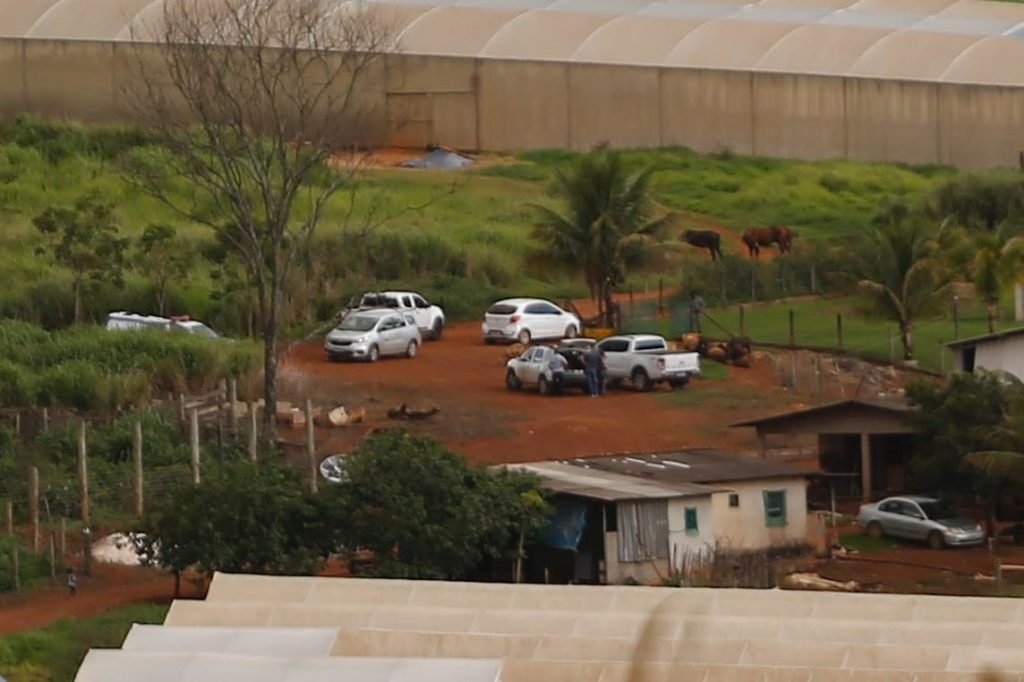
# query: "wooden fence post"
(137, 462)
(62, 545)
(83, 471)
(17, 423)
(311, 446)
(9, 515)
(46, 420)
(892, 348)
(33, 505)
(181, 410)
(233, 403)
(743, 320)
(17, 573)
(194, 442)
(661, 297)
(956, 318)
(53, 557)
(250, 413)
(839, 330)
(792, 327)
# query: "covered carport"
(870, 441)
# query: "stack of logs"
(735, 351)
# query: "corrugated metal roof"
(578, 479)
(996, 336)
(989, 53)
(896, 406)
(687, 467)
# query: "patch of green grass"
(54, 653)
(815, 325)
(865, 543)
(821, 199)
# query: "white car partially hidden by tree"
(528, 319)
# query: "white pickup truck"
(429, 318)
(644, 360)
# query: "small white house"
(997, 352)
(638, 516)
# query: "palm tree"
(609, 224)
(898, 273)
(1004, 463)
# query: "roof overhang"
(606, 486)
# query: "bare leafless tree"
(262, 108)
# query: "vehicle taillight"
(514, 319)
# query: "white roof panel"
(248, 641)
(102, 665)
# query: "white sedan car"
(527, 319)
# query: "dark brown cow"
(705, 239)
(756, 237)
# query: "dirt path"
(481, 418)
(110, 587)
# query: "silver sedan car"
(919, 518)
(371, 334)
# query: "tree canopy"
(426, 513)
(420, 509)
(608, 224)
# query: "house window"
(691, 521)
(734, 499)
(775, 508)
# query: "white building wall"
(744, 527)
(679, 541)
(1006, 354)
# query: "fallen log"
(405, 412)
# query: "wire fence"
(834, 324)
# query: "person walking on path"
(592, 364)
(72, 582)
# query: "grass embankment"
(54, 653)
(465, 241)
(815, 326)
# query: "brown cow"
(756, 237)
(705, 239)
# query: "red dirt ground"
(481, 418)
(109, 587)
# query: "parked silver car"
(371, 334)
(919, 518)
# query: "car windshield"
(938, 510)
(358, 323)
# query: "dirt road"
(481, 418)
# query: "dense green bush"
(90, 368)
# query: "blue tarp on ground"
(565, 529)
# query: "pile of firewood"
(338, 416)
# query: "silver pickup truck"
(644, 360)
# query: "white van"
(123, 320)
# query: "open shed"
(868, 441)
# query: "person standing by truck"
(593, 367)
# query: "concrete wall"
(504, 105)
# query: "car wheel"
(524, 337)
(512, 382)
(437, 330)
(374, 354)
(410, 351)
(935, 540)
(875, 530)
(544, 386)
(641, 382)
(571, 332)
